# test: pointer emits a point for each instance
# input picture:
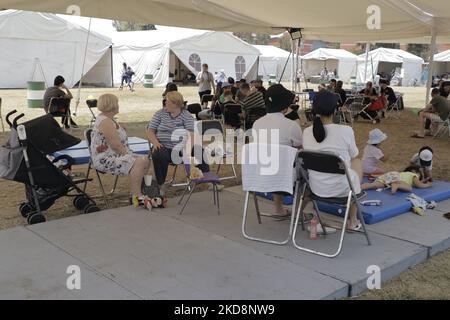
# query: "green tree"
(421, 50)
(132, 26)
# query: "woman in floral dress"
(110, 151)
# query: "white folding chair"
(393, 109)
(250, 178)
(326, 162)
(443, 127)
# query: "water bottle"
(313, 229)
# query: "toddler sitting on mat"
(373, 153)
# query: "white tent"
(272, 61)
(59, 45)
(442, 63)
(342, 61)
(384, 60)
(176, 51)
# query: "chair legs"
(342, 235)
(270, 241)
(234, 176)
(445, 126)
(102, 189)
(191, 188)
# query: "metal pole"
(367, 61)
(112, 67)
(80, 84)
(431, 66)
(293, 66)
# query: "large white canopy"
(324, 20)
(177, 50)
(272, 62)
(442, 63)
(59, 45)
(386, 60)
(342, 61)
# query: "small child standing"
(373, 154)
(403, 181)
(424, 160)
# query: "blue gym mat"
(131, 141)
(392, 205)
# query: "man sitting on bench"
(59, 90)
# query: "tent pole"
(367, 61)
(293, 66)
(80, 84)
(432, 64)
(112, 67)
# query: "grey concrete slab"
(156, 256)
(431, 230)
(393, 256)
(32, 268)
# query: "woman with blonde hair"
(110, 151)
(169, 132)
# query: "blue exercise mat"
(392, 205)
(82, 156)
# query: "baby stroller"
(25, 159)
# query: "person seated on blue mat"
(339, 139)
(110, 151)
(403, 181)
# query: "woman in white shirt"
(339, 139)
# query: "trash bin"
(148, 81)
(35, 94)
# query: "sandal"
(357, 228)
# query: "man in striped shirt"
(253, 105)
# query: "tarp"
(272, 61)
(155, 52)
(385, 60)
(442, 63)
(59, 45)
(324, 20)
(342, 61)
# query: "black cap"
(278, 98)
(170, 87)
(325, 103)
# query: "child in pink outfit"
(373, 154)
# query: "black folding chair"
(214, 128)
(195, 109)
(231, 115)
(92, 104)
(206, 99)
(325, 162)
(60, 108)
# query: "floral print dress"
(104, 158)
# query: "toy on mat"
(372, 203)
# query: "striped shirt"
(171, 130)
(254, 107)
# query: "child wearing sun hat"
(373, 153)
(424, 160)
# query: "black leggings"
(204, 93)
(162, 158)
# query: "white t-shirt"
(205, 79)
(372, 156)
(341, 141)
(276, 124)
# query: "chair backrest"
(207, 98)
(194, 108)
(208, 126)
(92, 103)
(88, 136)
(231, 115)
(324, 162)
(59, 106)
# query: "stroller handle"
(9, 115)
(20, 116)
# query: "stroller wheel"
(80, 202)
(25, 209)
(91, 209)
(36, 219)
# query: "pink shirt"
(372, 156)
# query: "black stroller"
(25, 159)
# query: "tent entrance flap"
(178, 70)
